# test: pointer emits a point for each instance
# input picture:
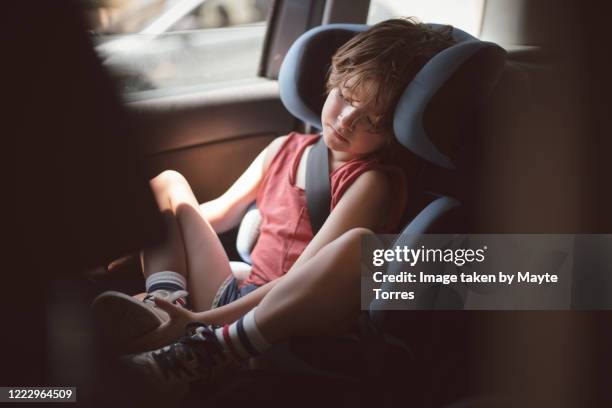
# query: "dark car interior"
(529, 156)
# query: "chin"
(331, 142)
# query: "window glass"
(169, 46)
(463, 14)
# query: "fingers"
(166, 333)
(170, 308)
(174, 311)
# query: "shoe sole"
(122, 318)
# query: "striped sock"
(167, 280)
(242, 339)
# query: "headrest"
(446, 90)
(444, 93)
(303, 71)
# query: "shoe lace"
(192, 356)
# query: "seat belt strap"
(318, 189)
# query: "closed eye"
(372, 126)
(346, 99)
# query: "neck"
(337, 159)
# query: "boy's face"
(349, 127)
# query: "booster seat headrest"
(303, 72)
(445, 90)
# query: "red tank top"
(285, 229)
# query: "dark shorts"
(229, 291)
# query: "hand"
(168, 332)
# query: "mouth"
(338, 135)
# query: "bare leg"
(319, 297)
(192, 247)
(168, 255)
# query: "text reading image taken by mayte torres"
(466, 272)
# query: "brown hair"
(388, 56)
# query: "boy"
(301, 284)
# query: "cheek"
(324, 114)
(372, 142)
(330, 109)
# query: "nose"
(347, 116)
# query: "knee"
(350, 243)
(348, 255)
(168, 178)
(356, 234)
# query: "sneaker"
(197, 357)
(123, 318)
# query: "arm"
(224, 213)
(364, 204)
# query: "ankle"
(165, 280)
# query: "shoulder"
(374, 182)
(362, 174)
(273, 148)
(294, 140)
(384, 193)
(372, 186)
(365, 203)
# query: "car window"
(165, 47)
(463, 14)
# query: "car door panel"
(212, 138)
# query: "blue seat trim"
(408, 119)
(409, 237)
(408, 123)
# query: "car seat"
(453, 86)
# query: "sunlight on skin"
(349, 127)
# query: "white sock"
(167, 280)
(242, 339)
